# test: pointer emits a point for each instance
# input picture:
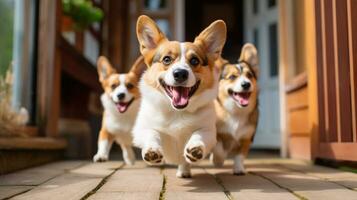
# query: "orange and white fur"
(237, 108)
(176, 121)
(121, 100)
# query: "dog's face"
(180, 71)
(121, 88)
(239, 81)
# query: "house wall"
(295, 38)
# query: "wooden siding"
(298, 122)
(336, 35)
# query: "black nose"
(180, 75)
(121, 96)
(245, 85)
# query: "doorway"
(261, 29)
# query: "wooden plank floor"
(267, 179)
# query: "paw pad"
(153, 157)
(194, 154)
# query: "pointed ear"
(220, 62)
(104, 68)
(148, 33)
(212, 39)
(139, 67)
(249, 55)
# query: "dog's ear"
(148, 33)
(139, 67)
(212, 39)
(104, 68)
(220, 62)
(249, 55)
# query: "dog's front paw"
(194, 153)
(181, 174)
(100, 158)
(238, 166)
(183, 171)
(153, 156)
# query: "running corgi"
(121, 100)
(237, 108)
(176, 121)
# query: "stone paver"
(201, 186)
(266, 179)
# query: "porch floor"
(267, 179)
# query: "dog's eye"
(129, 86)
(249, 75)
(232, 77)
(194, 61)
(113, 86)
(167, 60)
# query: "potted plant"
(79, 14)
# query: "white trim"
(284, 61)
(180, 20)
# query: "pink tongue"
(122, 107)
(180, 96)
(242, 99)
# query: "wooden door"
(336, 56)
(261, 28)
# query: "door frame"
(261, 20)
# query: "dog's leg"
(128, 154)
(152, 150)
(200, 143)
(238, 167)
(105, 142)
(184, 171)
(218, 154)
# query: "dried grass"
(12, 122)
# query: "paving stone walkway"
(268, 179)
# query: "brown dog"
(121, 99)
(237, 108)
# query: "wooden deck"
(267, 179)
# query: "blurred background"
(49, 88)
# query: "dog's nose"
(121, 96)
(180, 75)
(245, 85)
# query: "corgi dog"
(176, 120)
(237, 108)
(121, 100)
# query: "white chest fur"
(115, 122)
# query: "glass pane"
(255, 6)
(256, 38)
(154, 5)
(6, 34)
(273, 46)
(164, 25)
(271, 3)
(17, 42)
(91, 47)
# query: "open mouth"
(123, 106)
(179, 95)
(242, 98)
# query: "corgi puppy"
(237, 108)
(121, 99)
(176, 121)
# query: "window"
(18, 52)
(273, 45)
(271, 3)
(155, 5)
(255, 6)
(6, 34)
(256, 38)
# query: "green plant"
(82, 12)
